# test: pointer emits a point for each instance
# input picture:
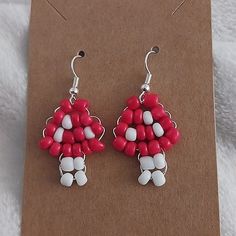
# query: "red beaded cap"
(146, 143)
(74, 142)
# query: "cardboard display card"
(116, 36)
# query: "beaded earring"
(146, 129)
(71, 134)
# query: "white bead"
(79, 163)
(147, 163)
(67, 179)
(158, 178)
(88, 132)
(81, 178)
(144, 177)
(159, 161)
(66, 122)
(58, 134)
(147, 118)
(158, 130)
(131, 134)
(67, 164)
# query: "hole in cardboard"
(81, 53)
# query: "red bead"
(81, 105)
(133, 103)
(68, 137)
(76, 150)
(96, 145)
(121, 129)
(79, 134)
(97, 128)
(66, 105)
(143, 149)
(85, 148)
(127, 116)
(45, 142)
(154, 147)
(55, 149)
(166, 123)
(119, 143)
(50, 129)
(75, 119)
(158, 112)
(86, 119)
(138, 116)
(150, 100)
(67, 150)
(165, 143)
(173, 135)
(58, 117)
(149, 133)
(141, 134)
(130, 149)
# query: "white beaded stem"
(166, 166)
(60, 169)
(67, 164)
(158, 178)
(81, 178)
(159, 161)
(79, 163)
(67, 179)
(144, 178)
(147, 163)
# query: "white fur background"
(14, 22)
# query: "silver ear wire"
(146, 86)
(74, 89)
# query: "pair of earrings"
(144, 129)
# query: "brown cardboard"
(115, 36)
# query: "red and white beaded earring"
(71, 134)
(146, 129)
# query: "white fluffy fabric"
(14, 22)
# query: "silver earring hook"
(154, 50)
(74, 89)
(146, 86)
(79, 54)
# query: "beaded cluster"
(71, 134)
(147, 130)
